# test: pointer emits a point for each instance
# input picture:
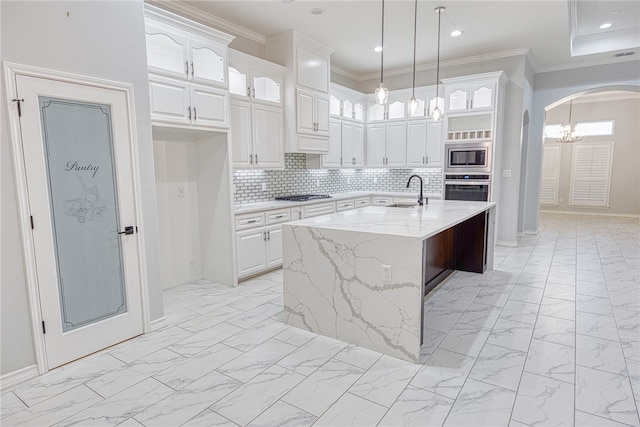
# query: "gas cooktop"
(303, 197)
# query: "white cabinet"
(469, 97)
(252, 78)
(259, 241)
(256, 135)
(257, 115)
(394, 109)
(387, 144)
(306, 91)
(187, 71)
(424, 143)
(347, 103)
(312, 113)
(361, 202)
(179, 102)
(333, 159)
(352, 145)
(309, 211)
(344, 205)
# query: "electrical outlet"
(181, 191)
(426, 180)
(264, 186)
(386, 273)
(317, 183)
(561, 199)
(375, 179)
(506, 173)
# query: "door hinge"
(44, 330)
(31, 219)
(19, 101)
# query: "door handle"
(128, 230)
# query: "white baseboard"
(16, 377)
(507, 243)
(520, 234)
(158, 323)
(532, 232)
(591, 213)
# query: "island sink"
(335, 283)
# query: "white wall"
(103, 39)
(554, 86)
(177, 192)
(624, 197)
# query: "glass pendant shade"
(381, 94)
(436, 114)
(569, 134)
(413, 105)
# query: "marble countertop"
(278, 204)
(420, 222)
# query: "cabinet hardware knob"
(186, 63)
(189, 109)
(251, 221)
(256, 159)
(192, 69)
(195, 116)
(249, 91)
(268, 235)
(264, 236)
(251, 159)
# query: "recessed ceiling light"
(377, 49)
(605, 25)
(316, 11)
(456, 33)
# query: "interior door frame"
(11, 70)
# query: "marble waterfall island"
(360, 276)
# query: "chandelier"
(568, 133)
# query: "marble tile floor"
(550, 337)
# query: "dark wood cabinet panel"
(471, 244)
(440, 258)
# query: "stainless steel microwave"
(468, 158)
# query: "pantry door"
(76, 142)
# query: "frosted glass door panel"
(396, 110)
(266, 89)
(238, 82)
(347, 109)
(458, 100)
(376, 112)
(482, 97)
(165, 54)
(84, 209)
(206, 65)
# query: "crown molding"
(592, 63)
(199, 15)
(432, 66)
(345, 73)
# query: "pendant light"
(382, 93)
(436, 114)
(567, 133)
(413, 102)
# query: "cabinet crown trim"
(186, 24)
(476, 78)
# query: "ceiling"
(550, 30)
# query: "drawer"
(296, 213)
(309, 211)
(275, 217)
(406, 199)
(249, 220)
(344, 205)
(382, 200)
(362, 201)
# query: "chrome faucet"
(420, 199)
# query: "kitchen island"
(360, 276)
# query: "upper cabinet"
(187, 71)
(346, 103)
(255, 79)
(470, 96)
(257, 112)
(306, 90)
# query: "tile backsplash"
(297, 179)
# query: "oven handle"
(464, 182)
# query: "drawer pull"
(252, 221)
(280, 216)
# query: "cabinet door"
(266, 88)
(207, 63)
(209, 106)
(335, 105)
(396, 144)
(169, 100)
(241, 137)
(439, 101)
(312, 70)
(376, 137)
(435, 143)
(482, 96)
(357, 143)
(304, 112)
(333, 157)
(416, 143)
(239, 82)
(457, 99)
(376, 112)
(396, 110)
(250, 245)
(274, 246)
(268, 137)
(322, 114)
(166, 52)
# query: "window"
(595, 128)
(550, 174)
(591, 174)
(552, 130)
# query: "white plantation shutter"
(550, 174)
(591, 174)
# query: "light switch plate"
(386, 273)
(506, 173)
